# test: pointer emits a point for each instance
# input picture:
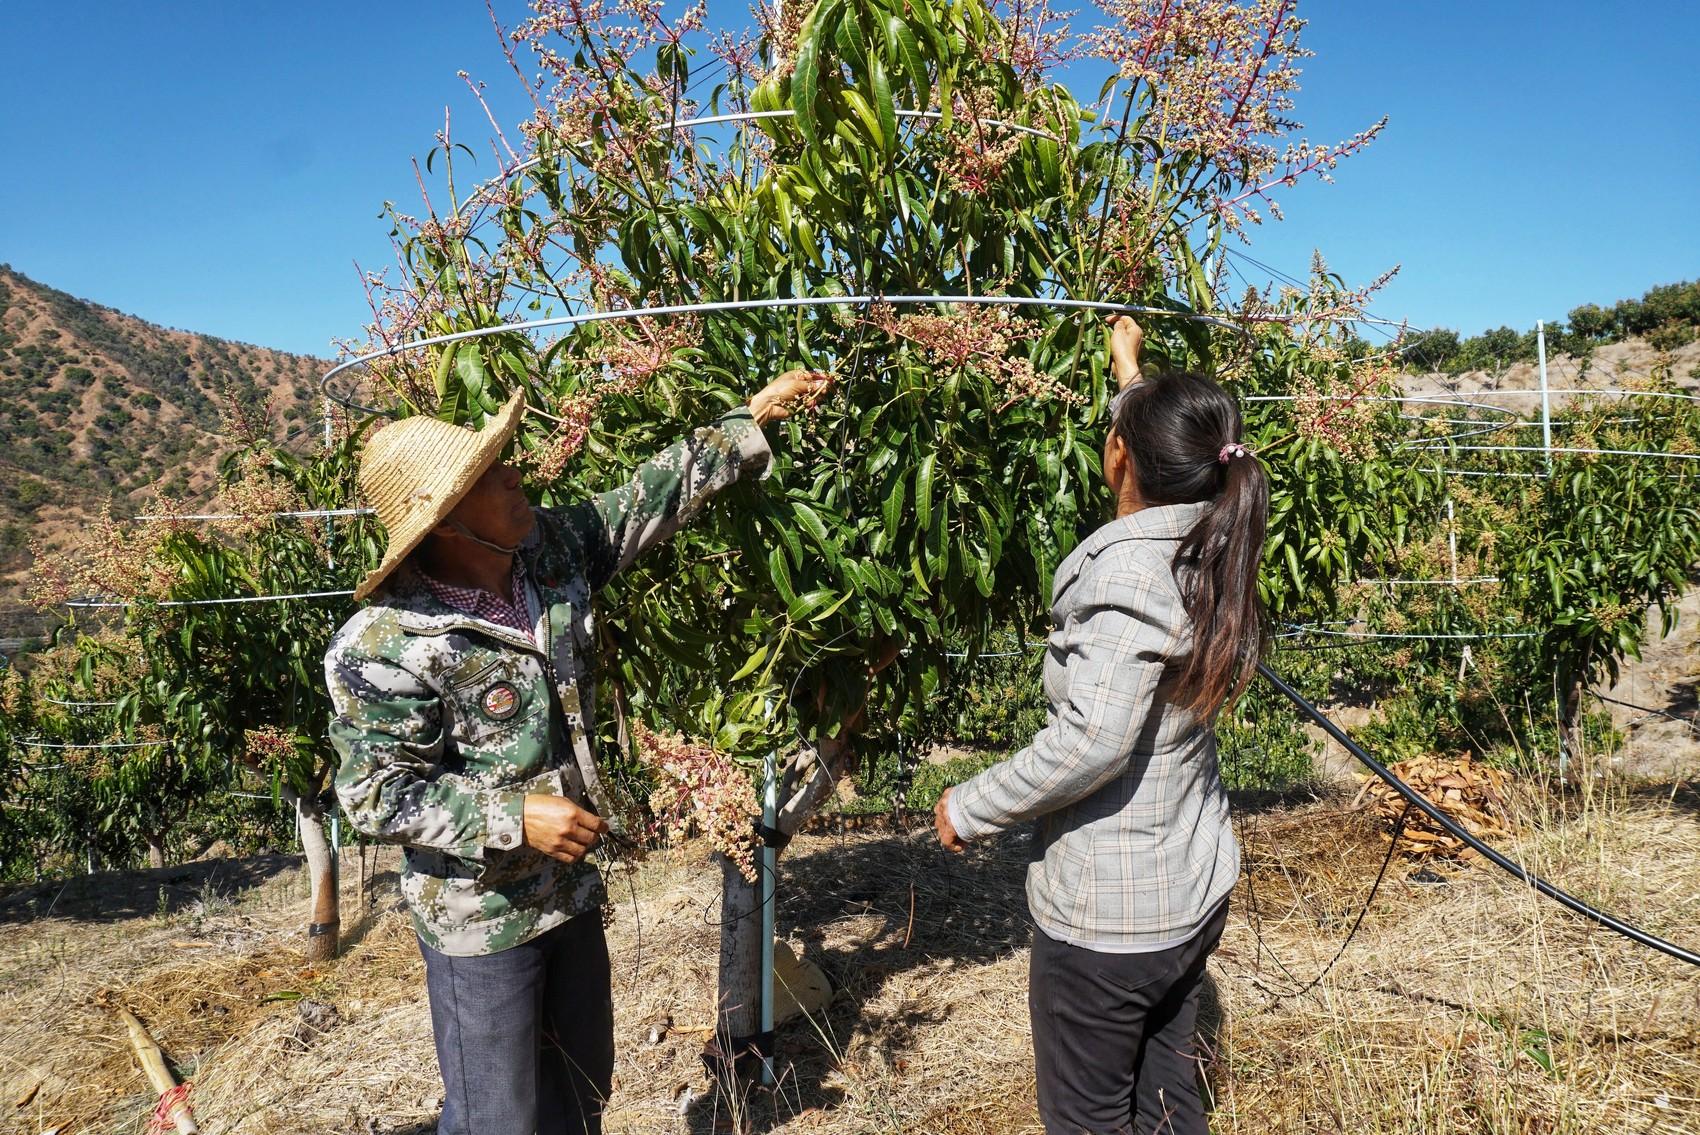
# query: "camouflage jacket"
(445, 722)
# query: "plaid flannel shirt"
(481, 604)
(1134, 849)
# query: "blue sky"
(221, 167)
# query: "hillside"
(96, 405)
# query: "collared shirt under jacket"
(1133, 845)
(446, 721)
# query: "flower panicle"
(107, 559)
(980, 339)
(701, 791)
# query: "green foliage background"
(920, 512)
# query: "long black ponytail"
(1182, 432)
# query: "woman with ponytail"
(1157, 628)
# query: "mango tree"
(211, 661)
(892, 148)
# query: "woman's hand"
(793, 390)
(948, 839)
(1126, 337)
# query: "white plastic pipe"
(769, 866)
(1546, 395)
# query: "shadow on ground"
(931, 905)
(1681, 796)
(114, 896)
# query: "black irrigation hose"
(1257, 927)
(1563, 898)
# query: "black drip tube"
(1421, 803)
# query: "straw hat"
(414, 472)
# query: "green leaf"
(752, 663)
(779, 570)
(905, 48)
(894, 504)
(924, 491)
(805, 79)
(852, 43)
(802, 607)
(883, 105)
(811, 523)
(869, 119)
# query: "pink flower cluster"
(1223, 71)
(267, 747)
(633, 355)
(976, 150)
(628, 27)
(700, 791)
(548, 461)
(243, 424)
(106, 560)
(1343, 422)
(1299, 159)
(254, 495)
(1036, 39)
(1323, 302)
(781, 21)
(978, 338)
(602, 38)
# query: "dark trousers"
(1114, 1036)
(525, 1037)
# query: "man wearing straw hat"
(464, 720)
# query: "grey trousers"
(525, 1037)
(1114, 1036)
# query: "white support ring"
(741, 305)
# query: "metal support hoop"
(1608, 391)
(1457, 403)
(1560, 449)
(1429, 582)
(739, 118)
(302, 514)
(1420, 400)
(103, 745)
(1328, 629)
(741, 305)
(210, 602)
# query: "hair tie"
(1230, 451)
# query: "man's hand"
(1126, 337)
(557, 827)
(793, 390)
(948, 839)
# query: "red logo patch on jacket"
(500, 701)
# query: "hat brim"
(459, 479)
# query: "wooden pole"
(152, 1060)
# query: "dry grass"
(1466, 1005)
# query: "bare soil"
(1463, 1003)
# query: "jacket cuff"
(504, 810)
(750, 444)
(966, 829)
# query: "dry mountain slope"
(98, 405)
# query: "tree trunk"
(322, 931)
(156, 851)
(738, 1018)
(1570, 720)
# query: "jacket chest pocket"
(497, 716)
